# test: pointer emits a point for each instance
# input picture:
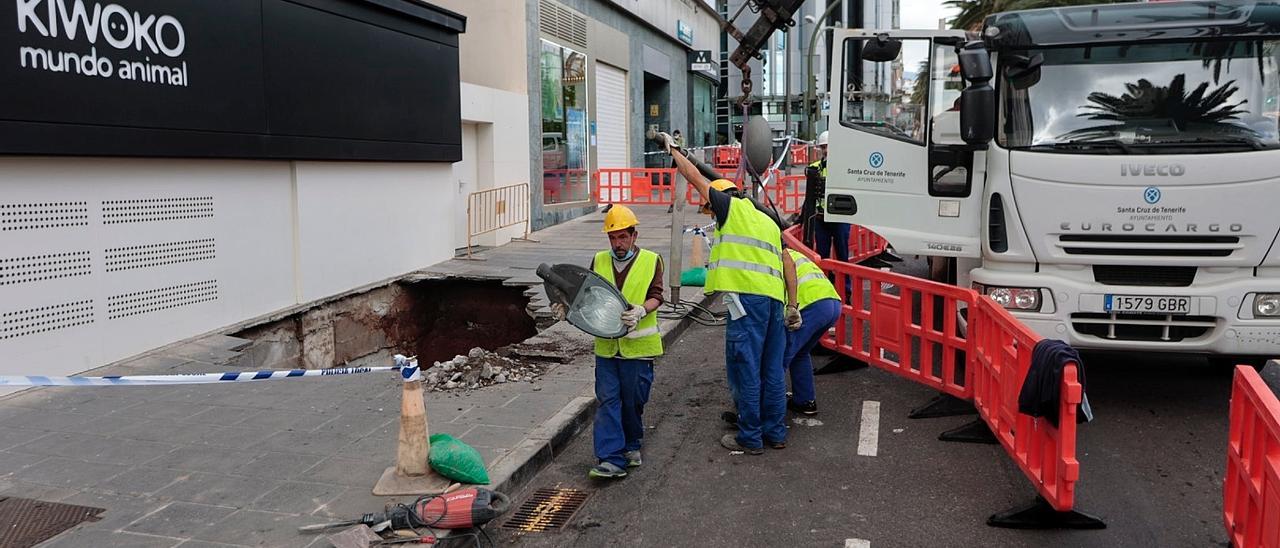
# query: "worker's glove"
(793, 318)
(632, 316)
(559, 311)
(667, 142)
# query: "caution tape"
(407, 367)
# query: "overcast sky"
(923, 14)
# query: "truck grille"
(1141, 327)
(1148, 246)
(1154, 276)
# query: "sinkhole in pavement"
(434, 319)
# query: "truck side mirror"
(978, 100)
(881, 49)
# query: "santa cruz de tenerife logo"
(1151, 195)
(876, 160)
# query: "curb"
(515, 469)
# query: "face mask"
(630, 253)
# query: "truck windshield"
(1172, 98)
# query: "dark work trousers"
(622, 388)
(753, 359)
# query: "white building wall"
(108, 258)
(502, 151)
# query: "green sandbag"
(456, 460)
(694, 277)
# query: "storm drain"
(28, 522)
(547, 510)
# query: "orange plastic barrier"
(1045, 452)
(1251, 490)
(889, 321)
(864, 244)
(726, 157)
(911, 327)
(800, 154)
(635, 186)
(788, 193)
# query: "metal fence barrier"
(497, 208)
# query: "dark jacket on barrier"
(1042, 388)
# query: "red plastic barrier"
(910, 327)
(864, 244)
(787, 193)
(727, 157)
(635, 186)
(1251, 490)
(895, 323)
(1000, 360)
(800, 154)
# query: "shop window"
(565, 175)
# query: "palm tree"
(1143, 102)
(973, 12)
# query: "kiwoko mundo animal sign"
(97, 40)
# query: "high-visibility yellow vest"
(812, 284)
(819, 164)
(747, 254)
(645, 341)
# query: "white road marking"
(857, 542)
(869, 432)
(806, 421)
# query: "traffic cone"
(411, 474)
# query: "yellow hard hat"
(722, 185)
(619, 217)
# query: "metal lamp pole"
(809, 84)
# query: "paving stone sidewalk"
(245, 464)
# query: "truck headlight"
(1266, 305)
(1021, 298)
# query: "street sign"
(700, 61)
(684, 32)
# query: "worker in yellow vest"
(819, 308)
(624, 367)
(757, 278)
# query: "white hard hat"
(822, 139)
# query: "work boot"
(607, 470)
(633, 458)
(729, 417)
(730, 442)
(809, 408)
(777, 444)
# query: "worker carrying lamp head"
(624, 366)
(748, 265)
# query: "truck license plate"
(1148, 304)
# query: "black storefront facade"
(169, 167)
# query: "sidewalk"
(245, 464)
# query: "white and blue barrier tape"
(408, 368)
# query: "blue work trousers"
(753, 357)
(622, 388)
(817, 318)
(825, 234)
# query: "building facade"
(602, 75)
(218, 164)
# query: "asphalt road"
(1152, 467)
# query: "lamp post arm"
(809, 85)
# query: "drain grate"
(28, 522)
(547, 510)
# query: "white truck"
(1109, 173)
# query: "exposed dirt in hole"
(446, 318)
